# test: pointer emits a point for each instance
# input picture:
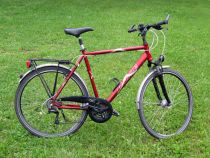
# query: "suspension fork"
(162, 85)
(156, 88)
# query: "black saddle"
(77, 31)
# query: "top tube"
(115, 50)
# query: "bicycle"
(164, 100)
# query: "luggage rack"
(32, 63)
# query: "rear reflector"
(28, 63)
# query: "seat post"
(82, 47)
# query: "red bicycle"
(45, 108)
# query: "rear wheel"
(160, 120)
(31, 103)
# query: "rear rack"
(66, 62)
(32, 63)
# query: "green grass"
(30, 29)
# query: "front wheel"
(31, 102)
(159, 118)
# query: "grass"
(35, 29)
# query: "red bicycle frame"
(146, 56)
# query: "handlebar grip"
(162, 22)
(167, 18)
(132, 30)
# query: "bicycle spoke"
(159, 120)
(151, 103)
(157, 111)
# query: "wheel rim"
(35, 112)
(160, 120)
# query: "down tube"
(127, 77)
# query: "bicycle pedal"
(115, 113)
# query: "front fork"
(159, 69)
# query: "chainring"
(100, 112)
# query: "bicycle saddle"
(77, 31)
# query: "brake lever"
(132, 27)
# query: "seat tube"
(91, 77)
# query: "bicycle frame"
(146, 56)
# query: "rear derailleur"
(54, 110)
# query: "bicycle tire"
(142, 108)
(32, 75)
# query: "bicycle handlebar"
(144, 28)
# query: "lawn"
(32, 29)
